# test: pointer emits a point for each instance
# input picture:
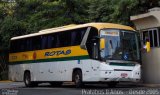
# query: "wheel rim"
(27, 79)
(77, 79)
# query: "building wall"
(151, 66)
(150, 60)
(148, 25)
(145, 23)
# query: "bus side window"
(22, 45)
(17, 46)
(53, 41)
(77, 36)
(73, 38)
(13, 47)
(36, 43)
(49, 41)
(65, 39)
(28, 44)
(44, 42)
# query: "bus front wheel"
(77, 78)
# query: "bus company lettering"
(13, 57)
(57, 53)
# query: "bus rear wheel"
(27, 80)
(77, 78)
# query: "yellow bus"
(85, 53)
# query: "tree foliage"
(28, 16)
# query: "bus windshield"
(120, 45)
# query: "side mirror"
(102, 43)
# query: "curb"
(151, 85)
(4, 81)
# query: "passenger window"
(65, 39)
(36, 43)
(44, 42)
(77, 36)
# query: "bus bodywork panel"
(93, 71)
(54, 54)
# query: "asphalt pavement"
(18, 88)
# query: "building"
(148, 24)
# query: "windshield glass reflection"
(120, 45)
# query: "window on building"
(158, 36)
(145, 37)
(153, 36)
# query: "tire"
(112, 84)
(27, 80)
(77, 78)
(56, 84)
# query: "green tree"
(100, 10)
(25, 8)
(114, 11)
(123, 10)
(75, 10)
(11, 27)
(30, 16)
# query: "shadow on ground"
(89, 86)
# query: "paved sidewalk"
(151, 85)
(9, 84)
(4, 81)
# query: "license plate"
(124, 75)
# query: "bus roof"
(74, 26)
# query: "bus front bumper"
(132, 76)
